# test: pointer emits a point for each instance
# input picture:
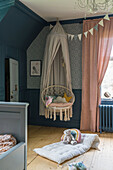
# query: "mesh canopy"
(56, 63)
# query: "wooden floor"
(94, 160)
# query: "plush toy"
(77, 166)
(49, 101)
(75, 133)
(68, 138)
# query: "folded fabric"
(6, 142)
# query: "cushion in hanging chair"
(58, 91)
(60, 99)
(61, 104)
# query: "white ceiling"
(50, 10)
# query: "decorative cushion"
(49, 101)
(60, 104)
(60, 99)
(76, 134)
(47, 97)
(67, 98)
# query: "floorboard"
(94, 160)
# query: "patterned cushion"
(76, 134)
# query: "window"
(107, 83)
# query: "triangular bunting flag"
(96, 27)
(91, 31)
(80, 36)
(75, 37)
(69, 35)
(72, 36)
(107, 17)
(101, 23)
(85, 33)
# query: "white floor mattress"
(60, 152)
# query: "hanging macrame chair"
(56, 75)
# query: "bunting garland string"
(91, 31)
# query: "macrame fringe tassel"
(71, 112)
(67, 114)
(51, 114)
(61, 115)
(54, 114)
(65, 117)
(46, 113)
(68, 117)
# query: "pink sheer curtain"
(95, 57)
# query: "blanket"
(6, 142)
(60, 152)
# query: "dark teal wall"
(18, 28)
(20, 55)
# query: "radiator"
(106, 118)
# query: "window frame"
(105, 100)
